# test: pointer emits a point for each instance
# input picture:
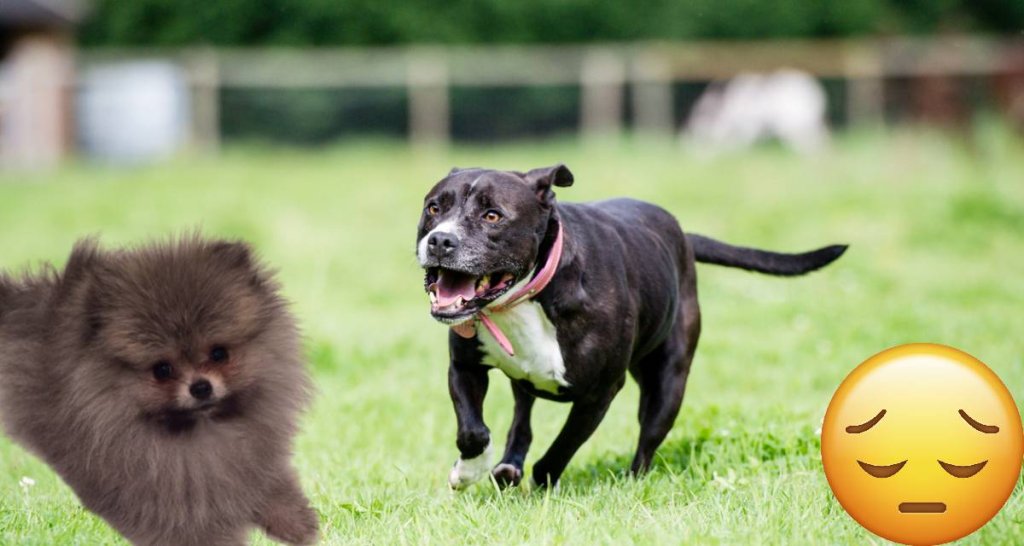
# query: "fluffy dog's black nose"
(201, 389)
(441, 244)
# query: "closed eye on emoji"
(962, 471)
(884, 471)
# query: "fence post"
(863, 68)
(429, 115)
(204, 73)
(602, 78)
(35, 101)
(652, 95)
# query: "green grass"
(937, 253)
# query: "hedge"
(383, 22)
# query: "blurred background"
(313, 128)
(147, 79)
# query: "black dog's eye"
(219, 354)
(163, 370)
(433, 209)
(492, 217)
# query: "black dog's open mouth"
(456, 294)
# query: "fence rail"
(604, 73)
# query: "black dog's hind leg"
(510, 470)
(583, 419)
(662, 378)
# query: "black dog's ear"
(543, 178)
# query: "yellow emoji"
(922, 444)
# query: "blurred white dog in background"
(788, 105)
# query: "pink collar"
(540, 281)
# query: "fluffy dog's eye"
(492, 217)
(219, 354)
(433, 209)
(163, 370)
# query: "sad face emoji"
(922, 444)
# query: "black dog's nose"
(441, 244)
(201, 389)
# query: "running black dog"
(565, 299)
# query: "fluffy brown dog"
(163, 384)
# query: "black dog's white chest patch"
(538, 357)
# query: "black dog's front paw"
(507, 475)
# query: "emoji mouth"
(922, 507)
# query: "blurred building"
(36, 80)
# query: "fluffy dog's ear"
(92, 312)
(5, 292)
(239, 256)
(85, 256)
(234, 254)
(543, 178)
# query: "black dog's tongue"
(451, 285)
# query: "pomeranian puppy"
(163, 384)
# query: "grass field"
(936, 229)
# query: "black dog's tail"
(710, 251)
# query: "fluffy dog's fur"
(163, 384)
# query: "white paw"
(469, 471)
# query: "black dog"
(585, 292)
